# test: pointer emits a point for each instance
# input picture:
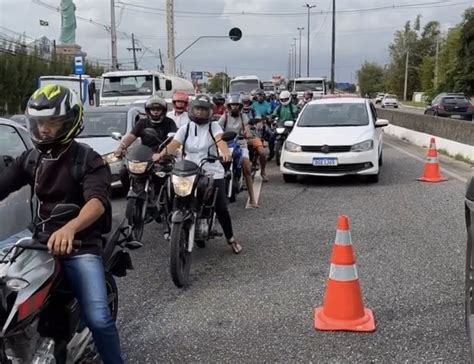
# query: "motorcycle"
(233, 170)
(193, 216)
(39, 317)
(282, 133)
(144, 204)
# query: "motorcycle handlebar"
(36, 244)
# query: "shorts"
(256, 143)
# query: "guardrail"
(457, 130)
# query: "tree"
(371, 78)
(427, 74)
(219, 81)
(465, 65)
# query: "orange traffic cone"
(343, 308)
(432, 169)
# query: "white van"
(315, 84)
(244, 84)
(121, 88)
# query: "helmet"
(201, 101)
(308, 95)
(218, 99)
(156, 102)
(183, 97)
(294, 94)
(246, 101)
(54, 117)
(285, 97)
(260, 93)
(232, 100)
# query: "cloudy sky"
(364, 29)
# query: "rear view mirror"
(63, 213)
(116, 135)
(380, 123)
(289, 123)
(168, 85)
(228, 136)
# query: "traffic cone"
(343, 307)
(432, 169)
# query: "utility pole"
(170, 30)
(333, 55)
(162, 67)
(289, 65)
(299, 67)
(134, 49)
(295, 39)
(436, 64)
(307, 56)
(113, 35)
(405, 89)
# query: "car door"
(378, 135)
(15, 211)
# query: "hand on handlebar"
(156, 157)
(226, 157)
(61, 241)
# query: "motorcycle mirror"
(289, 123)
(63, 213)
(228, 136)
(116, 135)
(171, 135)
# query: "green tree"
(220, 79)
(465, 65)
(427, 74)
(371, 78)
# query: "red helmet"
(180, 96)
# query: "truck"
(134, 87)
(301, 84)
(85, 86)
(268, 87)
(244, 84)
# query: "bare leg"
(263, 162)
(249, 182)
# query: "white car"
(379, 98)
(389, 101)
(334, 137)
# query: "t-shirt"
(197, 145)
(179, 119)
(166, 126)
(235, 124)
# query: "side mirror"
(63, 213)
(228, 136)
(168, 85)
(380, 123)
(289, 124)
(116, 135)
(91, 93)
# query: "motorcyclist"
(180, 105)
(307, 97)
(286, 110)
(196, 138)
(261, 106)
(234, 120)
(247, 109)
(273, 101)
(260, 132)
(54, 118)
(219, 105)
(294, 98)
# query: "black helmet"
(54, 117)
(260, 92)
(200, 102)
(218, 99)
(234, 99)
(156, 102)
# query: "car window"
(11, 144)
(102, 124)
(334, 114)
(454, 100)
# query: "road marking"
(257, 186)
(447, 171)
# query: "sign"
(197, 75)
(78, 65)
(235, 34)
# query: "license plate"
(456, 116)
(324, 161)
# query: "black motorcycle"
(193, 216)
(281, 133)
(40, 317)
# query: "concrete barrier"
(456, 130)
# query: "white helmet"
(285, 97)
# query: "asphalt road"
(409, 240)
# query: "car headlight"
(137, 167)
(183, 186)
(363, 146)
(110, 158)
(292, 147)
(17, 284)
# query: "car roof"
(339, 100)
(105, 109)
(10, 123)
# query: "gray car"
(15, 210)
(100, 123)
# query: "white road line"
(446, 171)
(257, 186)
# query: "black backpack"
(78, 170)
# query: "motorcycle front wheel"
(134, 213)
(180, 258)
(278, 148)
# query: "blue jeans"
(85, 274)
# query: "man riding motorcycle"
(219, 105)
(54, 118)
(234, 120)
(247, 109)
(286, 110)
(261, 106)
(180, 105)
(260, 132)
(307, 97)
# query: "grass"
(458, 157)
(414, 103)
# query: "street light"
(307, 59)
(295, 39)
(299, 70)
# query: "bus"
(316, 84)
(245, 84)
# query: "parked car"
(15, 210)
(100, 123)
(389, 100)
(379, 97)
(335, 137)
(20, 119)
(469, 293)
(453, 105)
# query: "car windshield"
(390, 96)
(334, 114)
(127, 85)
(103, 124)
(244, 86)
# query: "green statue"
(68, 22)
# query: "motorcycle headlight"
(137, 167)
(183, 186)
(17, 284)
(292, 147)
(110, 158)
(363, 146)
(280, 130)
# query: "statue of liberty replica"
(67, 41)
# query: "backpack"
(78, 170)
(291, 111)
(187, 134)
